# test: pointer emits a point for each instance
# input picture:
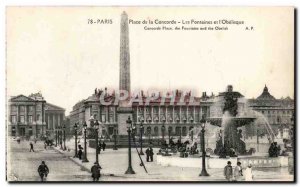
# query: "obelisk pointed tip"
(124, 13)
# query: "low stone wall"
(217, 163)
(264, 162)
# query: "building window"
(103, 118)
(156, 131)
(30, 119)
(178, 131)
(95, 117)
(30, 108)
(22, 119)
(148, 130)
(13, 108)
(184, 133)
(13, 119)
(22, 108)
(13, 131)
(38, 117)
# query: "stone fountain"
(230, 142)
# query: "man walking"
(149, 153)
(228, 171)
(31, 147)
(96, 171)
(103, 146)
(43, 170)
(80, 153)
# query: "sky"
(54, 50)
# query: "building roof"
(267, 100)
(50, 106)
(266, 95)
(22, 98)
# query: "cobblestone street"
(60, 166)
(63, 167)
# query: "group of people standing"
(274, 150)
(237, 174)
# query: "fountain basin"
(219, 163)
(239, 121)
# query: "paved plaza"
(63, 167)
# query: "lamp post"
(141, 135)
(257, 139)
(169, 133)
(64, 131)
(192, 132)
(75, 132)
(85, 152)
(61, 137)
(56, 137)
(129, 128)
(96, 126)
(163, 130)
(115, 138)
(203, 172)
(149, 134)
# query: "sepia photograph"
(150, 94)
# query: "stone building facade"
(33, 116)
(278, 112)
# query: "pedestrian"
(149, 153)
(18, 140)
(103, 146)
(238, 172)
(228, 171)
(248, 173)
(45, 144)
(31, 147)
(80, 154)
(35, 140)
(43, 170)
(96, 171)
(99, 147)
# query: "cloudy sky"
(54, 50)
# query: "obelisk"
(125, 108)
(124, 54)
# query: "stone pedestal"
(123, 114)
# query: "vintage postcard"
(150, 94)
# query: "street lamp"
(169, 133)
(129, 128)
(149, 134)
(178, 121)
(163, 129)
(96, 126)
(75, 132)
(85, 152)
(56, 137)
(203, 172)
(192, 130)
(115, 138)
(141, 135)
(64, 130)
(61, 137)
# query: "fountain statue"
(230, 141)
